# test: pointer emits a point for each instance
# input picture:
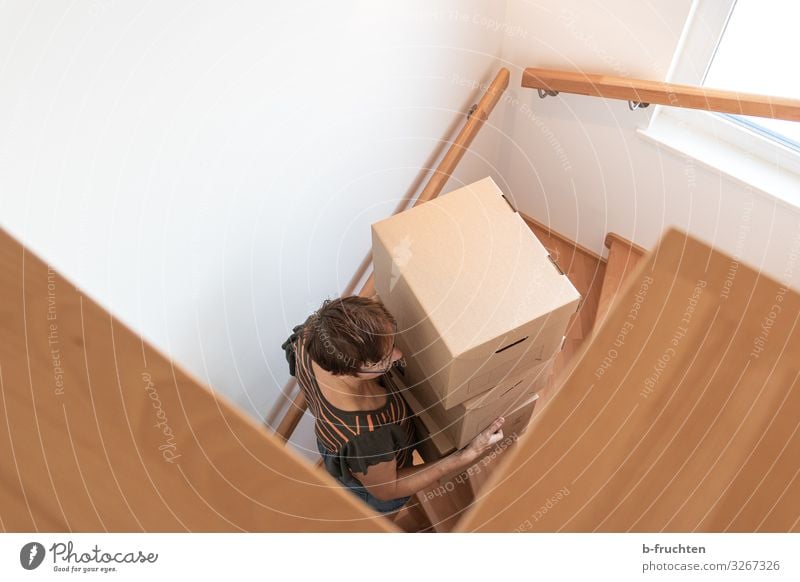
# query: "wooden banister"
(642, 91)
(292, 417)
(432, 189)
(99, 431)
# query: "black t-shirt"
(354, 440)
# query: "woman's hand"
(484, 441)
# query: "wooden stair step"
(623, 256)
(584, 269)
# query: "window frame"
(751, 155)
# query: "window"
(758, 54)
(750, 47)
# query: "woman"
(341, 356)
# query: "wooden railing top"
(643, 91)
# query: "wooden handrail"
(432, 189)
(641, 91)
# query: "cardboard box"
(518, 419)
(473, 290)
(464, 421)
(485, 380)
(436, 441)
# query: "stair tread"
(623, 256)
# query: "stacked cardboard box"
(481, 308)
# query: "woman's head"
(352, 336)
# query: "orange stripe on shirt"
(324, 405)
(315, 402)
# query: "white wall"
(209, 171)
(578, 164)
(572, 161)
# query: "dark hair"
(349, 333)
